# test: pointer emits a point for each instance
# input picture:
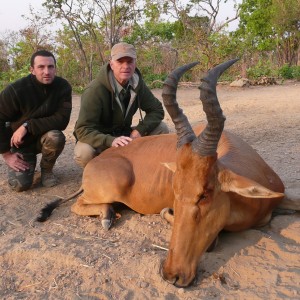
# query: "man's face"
(123, 69)
(44, 69)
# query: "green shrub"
(12, 75)
(285, 72)
(296, 72)
(2, 85)
(289, 72)
(154, 80)
(78, 89)
(262, 68)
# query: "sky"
(11, 12)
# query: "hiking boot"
(48, 178)
(20, 181)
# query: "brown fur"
(241, 191)
(126, 175)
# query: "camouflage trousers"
(50, 145)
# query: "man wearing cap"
(109, 103)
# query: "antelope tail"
(49, 208)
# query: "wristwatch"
(25, 124)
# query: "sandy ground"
(72, 257)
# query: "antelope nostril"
(171, 211)
(165, 276)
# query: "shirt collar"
(117, 87)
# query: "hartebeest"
(213, 180)
(219, 182)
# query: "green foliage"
(262, 68)
(286, 72)
(152, 10)
(285, 17)
(223, 46)
(154, 80)
(255, 24)
(270, 25)
(268, 29)
(12, 75)
(296, 72)
(289, 72)
(151, 31)
(78, 89)
(151, 65)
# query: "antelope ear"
(170, 165)
(232, 182)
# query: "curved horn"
(183, 128)
(207, 141)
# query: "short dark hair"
(44, 53)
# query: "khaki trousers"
(83, 152)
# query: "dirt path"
(71, 257)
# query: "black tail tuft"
(47, 210)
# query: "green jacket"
(44, 107)
(101, 117)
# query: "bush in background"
(289, 72)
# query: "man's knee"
(162, 128)
(83, 153)
(54, 140)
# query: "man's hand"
(135, 134)
(15, 161)
(17, 138)
(121, 141)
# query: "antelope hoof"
(167, 214)
(106, 223)
(163, 211)
(108, 218)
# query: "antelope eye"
(202, 197)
